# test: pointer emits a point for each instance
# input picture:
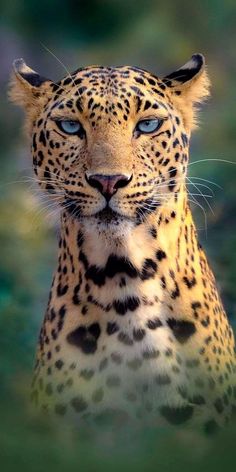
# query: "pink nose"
(108, 184)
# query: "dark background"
(159, 36)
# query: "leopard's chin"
(107, 216)
(108, 224)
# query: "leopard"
(134, 327)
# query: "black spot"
(139, 80)
(148, 270)
(67, 81)
(79, 404)
(175, 143)
(84, 310)
(90, 102)
(163, 282)
(59, 364)
(103, 364)
(205, 322)
(82, 89)
(85, 338)
(169, 353)
(115, 265)
(172, 184)
(182, 329)
(172, 172)
(34, 143)
(196, 305)
(122, 282)
(219, 405)
(163, 379)
(154, 323)
(42, 138)
(176, 415)
(137, 91)
(125, 339)
(139, 104)
(116, 358)
(198, 400)
(76, 299)
(52, 315)
(129, 304)
(160, 255)
(139, 334)
(151, 354)
(190, 283)
(147, 105)
(184, 139)
(62, 311)
(175, 293)
(112, 328)
(61, 290)
(95, 274)
(87, 374)
(153, 232)
(83, 259)
(151, 81)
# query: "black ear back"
(187, 72)
(27, 74)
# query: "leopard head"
(111, 142)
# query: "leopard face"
(112, 142)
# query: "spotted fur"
(134, 322)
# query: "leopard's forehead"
(119, 81)
(126, 88)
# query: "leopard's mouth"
(106, 216)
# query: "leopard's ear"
(27, 87)
(189, 86)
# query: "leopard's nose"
(108, 184)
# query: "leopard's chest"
(133, 364)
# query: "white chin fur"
(108, 230)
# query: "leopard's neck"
(147, 263)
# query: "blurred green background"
(159, 36)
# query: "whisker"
(206, 180)
(58, 60)
(203, 210)
(204, 196)
(213, 159)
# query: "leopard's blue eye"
(148, 126)
(70, 126)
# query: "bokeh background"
(159, 36)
